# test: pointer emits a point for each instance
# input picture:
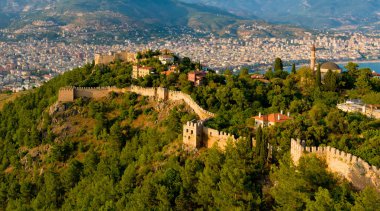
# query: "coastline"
(359, 61)
(374, 65)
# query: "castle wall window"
(192, 132)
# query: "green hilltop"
(124, 152)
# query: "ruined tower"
(313, 58)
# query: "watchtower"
(192, 134)
(162, 93)
(66, 94)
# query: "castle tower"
(66, 94)
(313, 58)
(296, 150)
(192, 135)
(98, 59)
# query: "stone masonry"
(196, 135)
(354, 169)
(69, 94)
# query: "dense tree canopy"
(124, 152)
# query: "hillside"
(5, 98)
(125, 18)
(145, 12)
(312, 14)
(124, 151)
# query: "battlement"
(69, 94)
(354, 169)
(66, 88)
(194, 124)
(112, 57)
(206, 137)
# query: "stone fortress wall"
(196, 135)
(111, 57)
(203, 114)
(354, 169)
(69, 94)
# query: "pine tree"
(318, 77)
(294, 71)
(264, 149)
(278, 64)
(249, 141)
(269, 73)
(330, 81)
(259, 135)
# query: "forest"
(124, 152)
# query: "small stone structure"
(354, 169)
(196, 136)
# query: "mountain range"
(220, 16)
(166, 12)
(148, 16)
(308, 13)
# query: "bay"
(373, 65)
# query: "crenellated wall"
(69, 94)
(202, 113)
(149, 92)
(354, 169)
(196, 136)
(108, 58)
(91, 92)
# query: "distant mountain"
(165, 12)
(310, 13)
(148, 16)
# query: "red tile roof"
(273, 117)
(168, 72)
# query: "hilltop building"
(375, 75)
(372, 111)
(140, 72)
(123, 56)
(260, 77)
(166, 59)
(325, 67)
(172, 69)
(197, 77)
(270, 119)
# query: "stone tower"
(312, 58)
(192, 134)
(296, 150)
(66, 94)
